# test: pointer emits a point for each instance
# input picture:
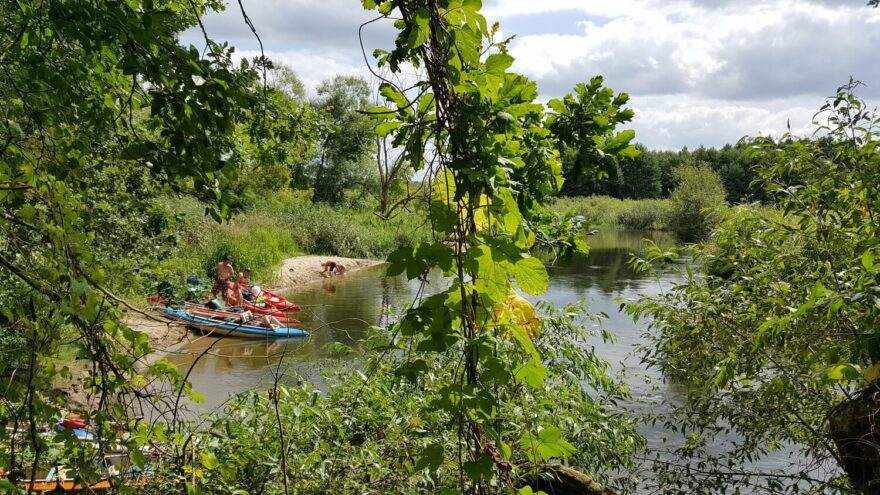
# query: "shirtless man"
(225, 274)
(331, 268)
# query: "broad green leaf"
(498, 63)
(531, 276)
(532, 372)
(430, 458)
(547, 444)
(421, 30)
(868, 260)
(385, 128)
(135, 151)
(844, 372)
(480, 469)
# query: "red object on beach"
(273, 300)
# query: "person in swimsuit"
(244, 279)
(331, 268)
(225, 274)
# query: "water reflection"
(342, 309)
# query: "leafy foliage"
(651, 173)
(101, 106)
(492, 157)
(694, 202)
(387, 431)
(346, 138)
(782, 327)
(608, 212)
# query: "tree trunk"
(855, 428)
(561, 480)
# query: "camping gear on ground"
(194, 288)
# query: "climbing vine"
(491, 153)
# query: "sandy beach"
(302, 270)
(294, 273)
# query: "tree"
(493, 163)
(276, 140)
(281, 77)
(777, 340)
(346, 137)
(640, 176)
(590, 117)
(694, 202)
(99, 105)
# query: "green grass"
(274, 229)
(605, 211)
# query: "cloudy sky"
(700, 72)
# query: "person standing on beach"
(225, 274)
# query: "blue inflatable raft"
(232, 328)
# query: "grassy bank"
(605, 211)
(271, 230)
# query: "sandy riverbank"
(294, 273)
(302, 270)
(167, 336)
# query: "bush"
(640, 214)
(324, 229)
(277, 227)
(694, 202)
(643, 214)
(252, 239)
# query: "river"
(342, 309)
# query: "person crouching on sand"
(331, 268)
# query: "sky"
(699, 72)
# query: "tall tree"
(346, 137)
(98, 100)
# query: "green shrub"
(253, 240)
(695, 201)
(644, 214)
(324, 229)
(278, 227)
(605, 211)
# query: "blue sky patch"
(564, 22)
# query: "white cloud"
(672, 122)
(314, 67)
(700, 71)
(711, 73)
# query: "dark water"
(340, 310)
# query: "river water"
(342, 309)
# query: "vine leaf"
(531, 276)
(431, 458)
(546, 445)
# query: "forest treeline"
(651, 174)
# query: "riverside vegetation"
(127, 159)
